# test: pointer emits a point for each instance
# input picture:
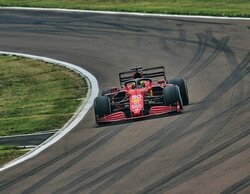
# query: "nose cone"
(136, 102)
(137, 111)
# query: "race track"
(203, 150)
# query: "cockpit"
(137, 83)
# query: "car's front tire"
(172, 96)
(102, 106)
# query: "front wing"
(154, 111)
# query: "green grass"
(193, 7)
(37, 96)
(8, 153)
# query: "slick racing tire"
(183, 89)
(102, 106)
(171, 95)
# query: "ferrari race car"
(143, 93)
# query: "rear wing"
(153, 72)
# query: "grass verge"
(37, 96)
(190, 7)
(8, 153)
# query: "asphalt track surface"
(203, 150)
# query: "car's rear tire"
(102, 106)
(183, 89)
(172, 96)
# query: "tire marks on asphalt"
(161, 135)
(104, 139)
(159, 140)
(202, 45)
(93, 172)
(215, 128)
(181, 136)
(99, 138)
(218, 49)
(237, 187)
(161, 185)
(233, 78)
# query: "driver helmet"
(137, 75)
(142, 83)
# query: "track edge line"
(124, 13)
(82, 110)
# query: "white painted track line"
(125, 13)
(79, 115)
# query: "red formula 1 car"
(143, 93)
